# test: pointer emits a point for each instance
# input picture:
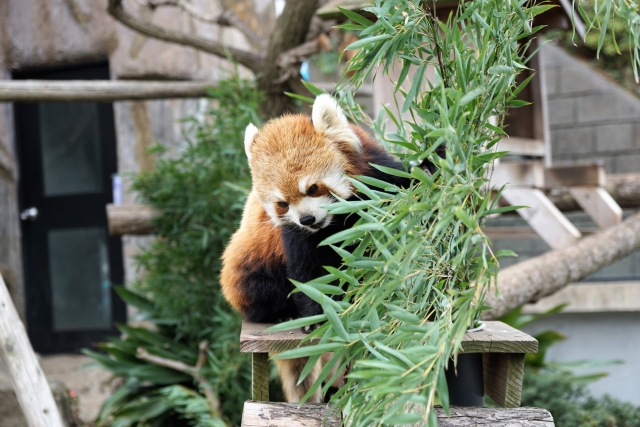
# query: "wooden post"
(260, 377)
(29, 383)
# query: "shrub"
(184, 366)
(572, 406)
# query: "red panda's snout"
(306, 206)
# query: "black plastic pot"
(466, 388)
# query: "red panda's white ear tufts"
(249, 134)
(329, 119)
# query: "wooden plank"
(99, 90)
(280, 414)
(130, 219)
(254, 339)
(494, 417)
(496, 337)
(260, 377)
(503, 374)
(592, 297)
(542, 215)
(522, 146)
(592, 174)
(518, 174)
(599, 204)
(28, 380)
(260, 414)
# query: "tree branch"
(226, 19)
(289, 61)
(195, 372)
(535, 278)
(250, 60)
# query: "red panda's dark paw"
(309, 328)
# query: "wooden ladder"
(502, 347)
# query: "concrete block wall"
(591, 117)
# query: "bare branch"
(248, 59)
(289, 61)
(176, 365)
(537, 277)
(195, 372)
(227, 18)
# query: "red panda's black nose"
(307, 219)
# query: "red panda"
(298, 163)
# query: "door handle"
(29, 214)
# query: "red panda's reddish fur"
(269, 249)
(245, 248)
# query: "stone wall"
(590, 116)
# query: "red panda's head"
(298, 162)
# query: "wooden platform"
(502, 347)
(496, 337)
(260, 414)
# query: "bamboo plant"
(417, 264)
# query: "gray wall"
(600, 336)
(590, 116)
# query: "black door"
(67, 154)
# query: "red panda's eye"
(283, 205)
(312, 190)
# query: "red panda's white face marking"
(297, 165)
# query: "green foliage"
(605, 17)
(167, 387)
(556, 387)
(200, 196)
(572, 406)
(199, 193)
(616, 51)
(417, 265)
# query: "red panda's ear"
(249, 135)
(329, 119)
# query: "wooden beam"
(523, 232)
(98, 90)
(518, 174)
(522, 146)
(592, 174)
(599, 204)
(592, 297)
(279, 414)
(550, 224)
(624, 188)
(29, 383)
(495, 337)
(130, 219)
